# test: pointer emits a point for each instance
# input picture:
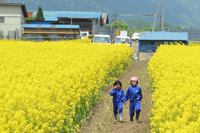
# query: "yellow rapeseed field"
(52, 86)
(175, 76)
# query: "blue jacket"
(118, 95)
(134, 93)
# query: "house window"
(2, 20)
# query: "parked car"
(120, 39)
(84, 34)
(135, 36)
(101, 39)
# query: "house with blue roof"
(54, 16)
(64, 23)
(149, 41)
(86, 20)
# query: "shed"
(42, 32)
(149, 41)
(86, 20)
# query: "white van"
(84, 34)
(101, 39)
(135, 36)
(120, 39)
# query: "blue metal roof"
(79, 15)
(53, 15)
(50, 26)
(165, 36)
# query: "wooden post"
(116, 33)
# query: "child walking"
(134, 93)
(118, 99)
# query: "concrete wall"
(135, 46)
(142, 56)
(145, 56)
(14, 18)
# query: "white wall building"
(12, 17)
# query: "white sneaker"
(121, 121)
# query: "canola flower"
(174, 72)
(193, 44)
(52, 86)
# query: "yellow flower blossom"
(45, 86)
(174, 72)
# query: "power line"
(129, 15)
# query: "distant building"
(49, 32)
(12, 17)
(63, 25)
(149, 41)
(86, 20)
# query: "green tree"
(168, 25)
(120, 24)
(133, 23)
(165, 25)
(29, 18)
(39, 15)
(179, 27)
(192, 28)
(138, 26)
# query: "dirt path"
(102, 119)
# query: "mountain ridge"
(177, 12)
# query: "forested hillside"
(177, 12)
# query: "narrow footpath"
(102, 119)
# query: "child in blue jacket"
(118, 98)
(134, 93)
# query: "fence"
(1, 34)
(106, 31)
(57, 37)
(193, 34)
(49, 37)
(12, 34)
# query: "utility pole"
(71, 12)
(161, 24)
(162, 14)
(71, 15)
(156, 16)
(115, 15)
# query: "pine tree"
(39, 15)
